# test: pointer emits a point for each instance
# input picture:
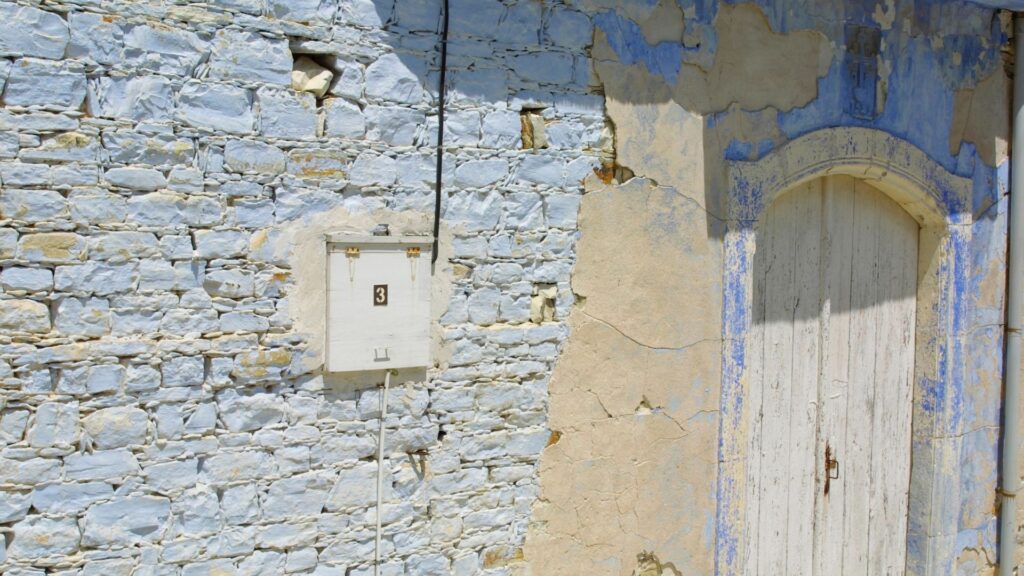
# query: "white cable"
(380, 468)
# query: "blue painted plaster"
(921, 77)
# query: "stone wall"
(165, 191)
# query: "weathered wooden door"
(830, 383)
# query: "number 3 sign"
(380, 294)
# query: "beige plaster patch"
(634, 396)
(981, 115)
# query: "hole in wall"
(532, 122)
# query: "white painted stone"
(116, 427)
(54, 424)
(343, 118)
(32, 32)
(249, 56)
(38, 537)
(24, 315)
(287, 114)
(396, 79)
(101, 465)
(41, 82)
(217, 107)
(131, 520)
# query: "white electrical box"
(378, 302)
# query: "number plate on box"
(380, 294)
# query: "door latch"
(831, 467)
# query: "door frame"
(941, 203)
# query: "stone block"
(373, 170)
(253, 213)
(153, 149)
(229, 467)
(245, 156)
(287, 114)
(14, 505)
(183, 371)
(172, 209)
(554, 68)
(99, 278)
(394, 125)
(221, 243)
(9, 144)
(140, 98)
(31, 472)
(130, 520)
(32, 205)
(38, 537)
(164, 49)
(101, 465)
(28, 279)
(217, 107)
(117, 427)
(542, 169)
(145, 179)
(302, 495)
(524, 211)
(54, 424)
(343, 118)
(250, 57)
(95, 36)
(474, 211)
(83, 317)
(34, 82)
(181, 322)
(15, 174)
(356, 487)
(24, 316)
(65, 147)
(569, 28)
(121, 246)
(95, 206)
(396, 79)
(480, 173)
(243, 322)
(8, 243)
(562, 210)
(305, 11)
(52, 247)
(172, 476)
(318, 165)
(32, 32)
(246, 413)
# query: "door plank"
(778, 334)
(803, 385)
(834, 375)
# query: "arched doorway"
(894, 174)
(831, 362)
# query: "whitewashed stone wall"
(159, 413)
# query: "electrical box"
(378, 302)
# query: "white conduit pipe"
(1014, 293)
(380, 469)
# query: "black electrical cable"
(440, 131)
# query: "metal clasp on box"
(352, 251)
(412, 251)
(381, 354)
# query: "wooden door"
(830, 383)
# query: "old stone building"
(719, 287)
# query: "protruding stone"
(308, 76)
